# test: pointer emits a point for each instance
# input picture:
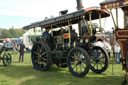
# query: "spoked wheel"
(41, 56)
(7, 59)
(78, 62)
(99, 60)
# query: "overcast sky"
(19, 13)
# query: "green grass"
(24, 74)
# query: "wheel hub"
(76, 62)
(38, 57)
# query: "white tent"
(29, 35)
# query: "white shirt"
(117, 48)
(99, 43)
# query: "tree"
(5, 34)
(11, 33)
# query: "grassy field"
(24, 74)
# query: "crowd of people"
(108, 47)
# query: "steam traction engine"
(65, 48)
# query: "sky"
(19, 13)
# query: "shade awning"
(73, 18)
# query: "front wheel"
(41, 56)
(99, 60)
(78, 62)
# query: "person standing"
(117, 52)
(21, 50)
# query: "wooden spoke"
(80, 68)
(44, 59)
(41, 49)
(43, 54)
(101, 65)
(37, 60)
(76, 68)
(73, 57)
(38, 49)
(36, 53)
(83, 66)
(83, 61)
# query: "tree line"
(11, 33)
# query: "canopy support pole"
(69, 31)
(113, 18)
(100, 22)
(30, 35)
(35, 33)
(51, 31)
(86, 24)
(79, 26)
(116, 18)
(113, 42)
(90, 20)
(124, 20)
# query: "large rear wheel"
(99, 60)
(41, 56)
(78, 62)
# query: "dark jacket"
(22, 47)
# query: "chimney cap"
(63, 12)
